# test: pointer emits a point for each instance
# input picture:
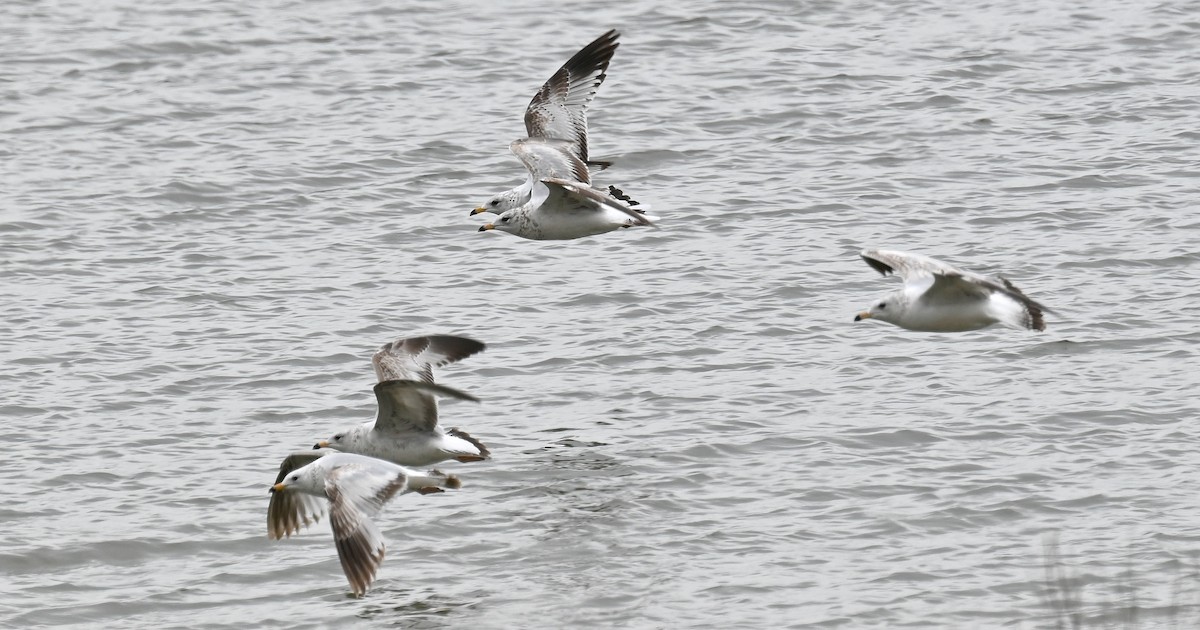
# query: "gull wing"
(559, 109)
(907, 266)
(289, 512)
(411, 406)
(931, 273)
(563, 193)
(954, 288)
(550, 158)
(414, 358)
(942, 282)
(356, 493)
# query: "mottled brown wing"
(559, 109)
(289, 511)
(413, 358)
(356, 494)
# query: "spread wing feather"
(289, 512)
(413, 358)
(559, 109)
(357, 493)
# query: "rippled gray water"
(211, 214)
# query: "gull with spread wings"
(557, 200)
(405, 430)
(353, 488)
(937, 297)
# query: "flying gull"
(557, 200)
(405, 430)
(559, 110)
(354, 488)
(937, 297)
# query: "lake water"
(212, 213)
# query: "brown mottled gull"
(354, 488)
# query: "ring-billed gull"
(353, 488)
(937, 297)
(559, 110)
(405, 430)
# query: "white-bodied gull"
(405, 430)
(937, 297)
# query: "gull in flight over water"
(557, 200)
(937, 297)
(405, 430)
(353, 488)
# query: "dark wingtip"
(618, 194)
(878, 265)
(1034, 317)
(597, 54)
(456, 348)
(1034, 311)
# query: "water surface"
(211, 214)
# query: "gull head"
(889, 308)
(342, 441)
(501, 203)
(504, 223)
(309, 479)
(292, 480)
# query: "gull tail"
(484, 453)
(432, 481)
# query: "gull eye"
(493, 202)
(882, 305)
(504, 219)
(337, 438)
(295, 477)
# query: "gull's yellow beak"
(321, 444)
(478, 210)
(487, 226)
(279, 487)
(863, 315)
